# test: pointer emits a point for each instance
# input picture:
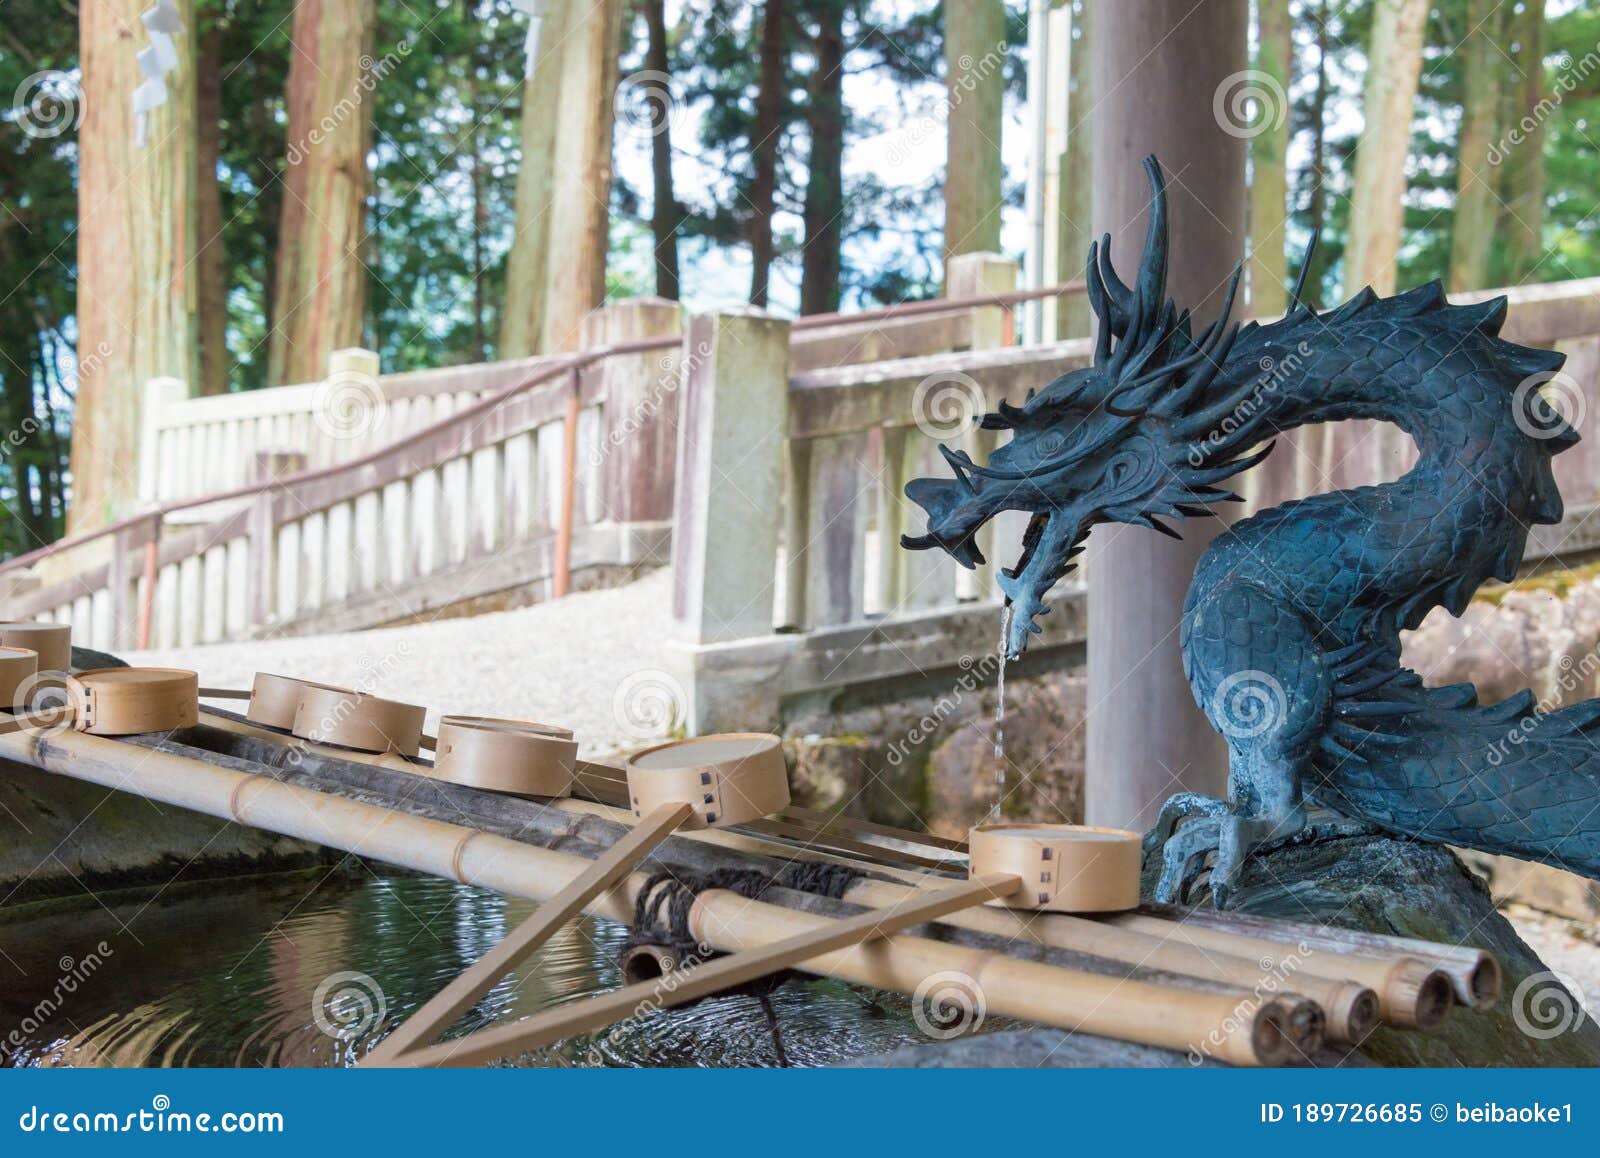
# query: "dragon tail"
(1433, 764)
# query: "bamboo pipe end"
(1353, 1011)
(1417, 996)
(647, 963)
(1484, 983)
(1305, 1023)
(1268, 1039)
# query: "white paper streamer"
(537, 10)
(155, 61)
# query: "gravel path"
(592, 662)
(1570, 948)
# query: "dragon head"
(1113, 442)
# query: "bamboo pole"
(1350, 1007)
(425, 1025)
(1474, 974)
(574, 1018)
(1411, 993)
(1217, 1025)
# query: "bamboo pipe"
(1137, 1011)
(597, 1012)
(441, 1011)
(1474, 973)
(391, 760)
(1350, 1008)
(1411, 993)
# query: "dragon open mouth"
(958, 508)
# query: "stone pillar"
(733, 423)
(1155, 69)
(973, 275)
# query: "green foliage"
(38, 263)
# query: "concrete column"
(733, 420)
(1155, 69)
(732, 425)
(973, 275)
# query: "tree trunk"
(575, 276)
(767, 136)
(974, 81)
(137, 315)
(522, 316)
(1269, 174)
(1377, 204)
(1472, 236)
(1146, 739)
(211, 264)
(824, 211)
(1317, 203)
(481, 65)
(663, 204)
(1524, 211)
(1072, 310)
(321, 287)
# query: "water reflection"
(226, 975)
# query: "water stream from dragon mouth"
(1000, 719)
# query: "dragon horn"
(1305, 268)
(1096, 288)
(1152, 283)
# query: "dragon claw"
(1184, 856)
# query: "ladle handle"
(425, 1025)
(576, 1017)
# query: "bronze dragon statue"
(1291, 628)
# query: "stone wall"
(926, 758)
